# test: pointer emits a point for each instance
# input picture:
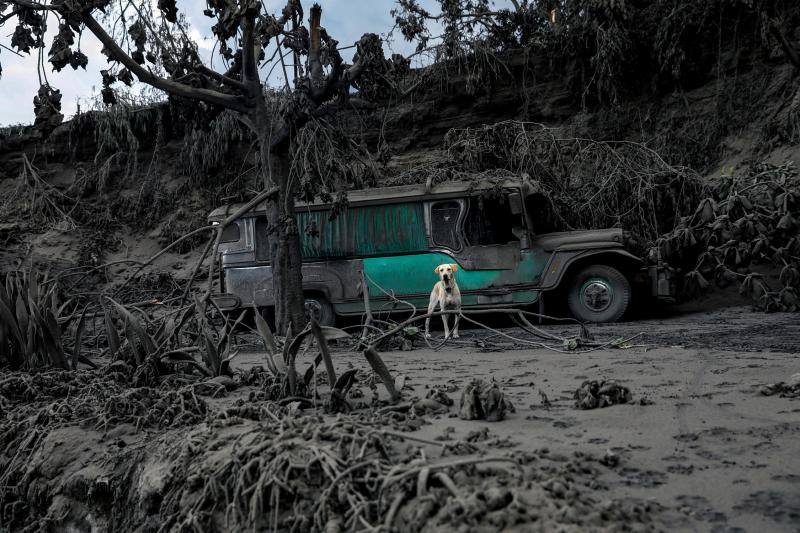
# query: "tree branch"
(221, 78)
(228, 101)
(314, 61)
(249, 56)
(322, 92)
(27, 5)
(33, 5)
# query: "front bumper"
(226, 301)
(662, 282)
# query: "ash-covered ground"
(699, 445)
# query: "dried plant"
(281, 354)
(581, 183)
(32, 324)
(749, 218)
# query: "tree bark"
(287, 275)
(285, 251)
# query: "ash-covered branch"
(146, 76)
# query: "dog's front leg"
(455, 326)
(431, 307)
(446, 328)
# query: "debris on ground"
(471, 407)
(609, 459)
(480, 401)
(545, 400)
(440, 395)
(593, 394)
(283, 470)
(429, 406)
(788, 389)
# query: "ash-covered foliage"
(748, 220)
(579, 183)
(327, 160)
(616, 47)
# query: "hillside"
(117, 185)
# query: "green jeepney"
(397, 236)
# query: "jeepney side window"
(543, 217)
(444, 224)
(230, 233)
(261, 239)
(489, 221)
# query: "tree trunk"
(285, 254)
(287, 276)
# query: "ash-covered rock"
(481, 401)
(593, 394)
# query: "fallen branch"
(379, 367)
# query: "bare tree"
(155, 48)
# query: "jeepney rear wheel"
(599, 293)
(321, 308)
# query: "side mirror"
(515, 203)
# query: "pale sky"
(345, 20)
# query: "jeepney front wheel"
(321, 309)
(599, 293)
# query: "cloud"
(21, 78)
(345, 20)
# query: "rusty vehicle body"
(394, 237)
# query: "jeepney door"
(493, 266)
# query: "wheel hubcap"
(596, 295)
(313, 308)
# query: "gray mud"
(697, 448)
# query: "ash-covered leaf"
(47, 107)
(23, 40)
(60, 53)
(108, 78)
(109, 97)
(137, 34)
(125, 77)
(78, 59)
(169, 9)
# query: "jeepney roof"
(400, 193)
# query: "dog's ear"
(436, 270)
(454, 267)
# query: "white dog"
(446, 295)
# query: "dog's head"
(446, 271)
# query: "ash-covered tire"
(599, 293)
(321, 308)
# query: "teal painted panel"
(369, 230)
(526, 296)
(414, 274)
(411, 278)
